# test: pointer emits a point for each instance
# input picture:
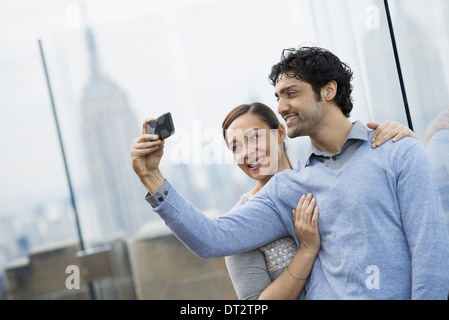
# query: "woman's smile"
(256, 164)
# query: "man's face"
(298, 106)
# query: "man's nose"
(283, 106)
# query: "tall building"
(109, 126)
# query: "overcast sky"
(24, 21)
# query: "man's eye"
(291, 93)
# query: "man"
(381, 222)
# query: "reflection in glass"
(437, 140)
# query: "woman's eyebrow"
(251, 130)
(245, 134)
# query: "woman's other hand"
(305, 218)
(389, 130)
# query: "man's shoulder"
(402, 145)
(401, 153)
(286, 174)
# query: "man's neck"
(330, 135)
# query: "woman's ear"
(282, 133)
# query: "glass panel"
(198, 60)
(357, 32)
(422, 37)
(190, 61)
(35, 208)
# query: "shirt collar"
(358, 132)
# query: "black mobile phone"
(162, 126)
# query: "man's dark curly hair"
(317, 66)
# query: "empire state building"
(109, 126)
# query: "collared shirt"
(358, 134)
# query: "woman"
(277, 270)
(262, 272)
(253, 132)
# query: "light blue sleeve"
(423, 223)
(244, 228)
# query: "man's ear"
(329, 91)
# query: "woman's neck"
(259, 185)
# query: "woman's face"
(255, 147)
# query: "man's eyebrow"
(285, 89)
